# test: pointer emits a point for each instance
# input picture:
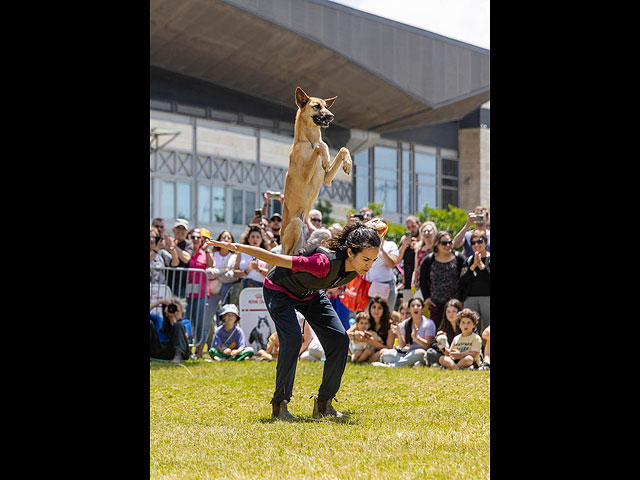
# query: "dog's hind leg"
(291, 236)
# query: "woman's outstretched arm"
(260, 253)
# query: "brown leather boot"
(279, 410)
(325, 409)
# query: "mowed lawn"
(212, 420)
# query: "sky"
(463, 20)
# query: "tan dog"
(309, 168)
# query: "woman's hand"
(253, 265)
(226, 245)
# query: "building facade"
(217, 142)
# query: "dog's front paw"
(324, 157)
(346, 160)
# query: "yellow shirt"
(470, 343)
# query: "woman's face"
(197, 240)
(428, 233)
(451, 313)
(153, 241)
(479, 245)
(445, 244)
(376, 310)
(363, 260)
(255, 239)
(415, 309)
(225, 237)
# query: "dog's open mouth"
(322, 121)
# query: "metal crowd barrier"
(187, 284)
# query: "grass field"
(212, 420)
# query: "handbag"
(214, 286)
(356, 294)
(379, 289)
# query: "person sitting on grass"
(465, 348)
(361, 351)
(271, 352)
(414, 337)
(486, 363)
(229, 342)
(449, 328)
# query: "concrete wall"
(475, 167)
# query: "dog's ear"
(329, 101)
(301, 97)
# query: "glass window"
(386, 178)
(218, 204)
(406, 181)
(361, 178)
(386, 158)
(386, 191)
(425, 164)
(204, 204)
(236, 207)
(168, 199)
(425, 180)
(426, 194)
(184, 200)
(449, 197)
(449, 167)
(249, 206)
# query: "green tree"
(325, 207)
(451, 219)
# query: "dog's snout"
(328, 116)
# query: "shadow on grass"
(310, 419)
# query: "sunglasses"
(316, 220)
(446, 242)
(476, 242)
(195, 238)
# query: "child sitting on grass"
(360, 350)
(273, 346)
(465, 348)
(229, 342)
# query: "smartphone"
(158, 240)
(258, 212)
(274, 195)
(359, 215)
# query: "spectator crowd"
(429, 295)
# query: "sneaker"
(485, 366)
(379, 364)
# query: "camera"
(479, 218)
(273, 195)
(257, 212)
(359, 215)
(171, 308)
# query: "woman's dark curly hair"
(356, 236)
(244, 238)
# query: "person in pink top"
(299, 283)
(197, 292)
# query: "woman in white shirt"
(251, 270)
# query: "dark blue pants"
(330, 332)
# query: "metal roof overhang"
(267, 49)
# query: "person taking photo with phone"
(479, 218)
